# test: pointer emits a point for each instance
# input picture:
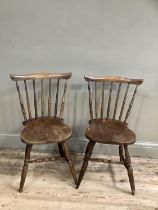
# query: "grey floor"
(50, 186)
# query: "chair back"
(108, 97)
(48, 101)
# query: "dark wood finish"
(63, 101)
(87, 156)
(45, 130)
(27, 99)
(116, 102)
(56, 102)
(49, 98)
(121, 153)
(69, 160)
(21, 101)
(42, 127)
(96, 101)
(131, 103)
(40, 76)
(109, 102)
(114, 79)
(42, 98)
(102, 103)
(25, 167)
(35, 99)
(112, 128)
(127, 164)
(110, 132)
(90, 101)
(123, 103)
(61, 152)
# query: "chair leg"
(61, 152)
(127, 163)
(25, 167)
(69, 160)
(88, 153)
(121, 153)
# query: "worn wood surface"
(15, 77)
(45, 79)
(49, 185)
(110, 132)
(114, 79)
(111, 80)
(45, 130)
(107, 129)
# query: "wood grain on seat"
(45, 130)
(110, 132)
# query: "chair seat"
(45, 130)
(110, 132)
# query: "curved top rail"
(16, 77)
(114, 79)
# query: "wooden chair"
(44, 125)
(107, 126)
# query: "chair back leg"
(69, 161)
(127, 164)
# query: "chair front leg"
(88, 153)
(127, 163)
(25, 167)
(69, 161)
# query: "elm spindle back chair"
(108, 121)
(41, 126)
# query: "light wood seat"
(110, 132)
(45, 130)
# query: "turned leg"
(69, 160)
(88, 153)
(127, 163)
(25, 167)
(61, 152)
(121, 153)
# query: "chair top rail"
(113, 79)
(16, 77)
